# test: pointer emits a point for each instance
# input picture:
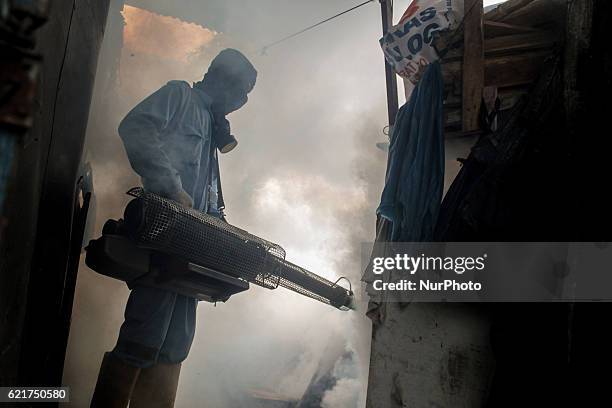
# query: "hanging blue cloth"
(415, 168)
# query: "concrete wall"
(429, 355)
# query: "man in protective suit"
(171, 139)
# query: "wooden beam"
(503, 71)
(497, 28)
(515, 70)
(473, 64)
(539, 12)
(504, 9)
(510, 45)
(386, 8)
(520, 43)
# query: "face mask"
(234, 97)
(233, 104)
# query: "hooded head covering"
(229, 79)
(236, 67)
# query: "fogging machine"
(162, 244)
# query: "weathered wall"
(429, 355)
(545, 354)
(41, 210)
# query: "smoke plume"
(306, 174)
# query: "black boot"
(115, 383)
(156, 387)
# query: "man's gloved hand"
(182, 198)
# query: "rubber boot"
(156, 387)
(115, 383)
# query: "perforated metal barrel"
(166, 226)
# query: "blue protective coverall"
(168, 139)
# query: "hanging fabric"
(415, 169)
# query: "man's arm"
(140, 131)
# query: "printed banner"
(407, 45)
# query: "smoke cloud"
(306, 174)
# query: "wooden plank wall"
(48, 167)
(386, 8)
(473, 64)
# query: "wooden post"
(386, 8)
(473, 64)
